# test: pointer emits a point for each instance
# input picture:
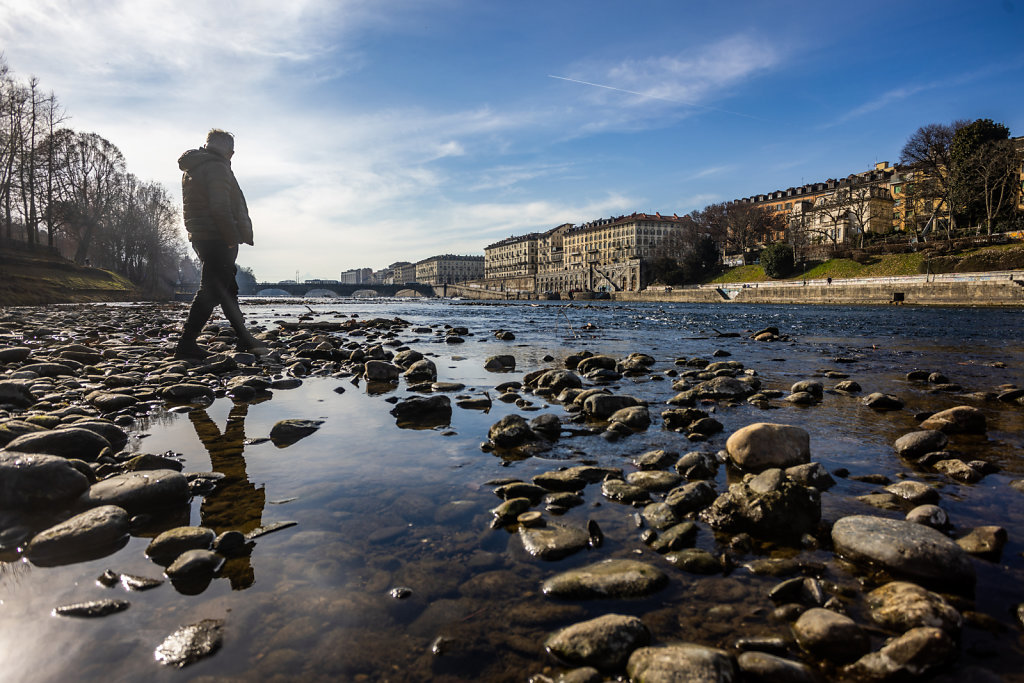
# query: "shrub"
(777, 260)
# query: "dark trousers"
(217, 286)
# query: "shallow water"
(380, 507)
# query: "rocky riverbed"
(504, 496)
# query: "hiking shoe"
(190, 352)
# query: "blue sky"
(371, 131)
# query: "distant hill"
(32, 277)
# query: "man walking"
(217, 221)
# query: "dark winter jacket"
(213, 205)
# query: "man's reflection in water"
(236, 504)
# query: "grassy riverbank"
(982, 259)
(32, 278)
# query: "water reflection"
(237, 504)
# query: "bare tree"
(992, 168)
(927, 151)
(89, 182)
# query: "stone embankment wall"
(976, 289)
(981, 289)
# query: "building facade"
(603, 255)
(448, 269)
(512, 257)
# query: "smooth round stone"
(880, 401)
(675, 537)
(607, 579)
(93, 529)
(761, 667)
(66, 442)
(907, 657)
(765, 445)
(138, 491)
(188, 392)
(905, 549)
(108, 402)
(636, 418)
(618, 490)
(957, 420)
(554, 541)
(900, 606)
(929, 515)
(829, 635)
(286, 432)
(654, 480)
(116, 436)
(173, 542)
(682, 662)
(660, 516)
(16, 393)
(605, 642)
(194, 564)
(32, 479)
(916, 444)
(695, 561)
(915, 492)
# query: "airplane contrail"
(653, 97)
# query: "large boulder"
(764, 445)
(766, 505)
(904, 549)
(30, 480)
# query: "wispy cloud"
(692, 79)
(711, 171)
(910, 90)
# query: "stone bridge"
(338, 289)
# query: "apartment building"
(356, 276)
(448, 269)
(512, 257)
(834, 210)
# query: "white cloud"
(693, 78)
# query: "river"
(379, 507)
